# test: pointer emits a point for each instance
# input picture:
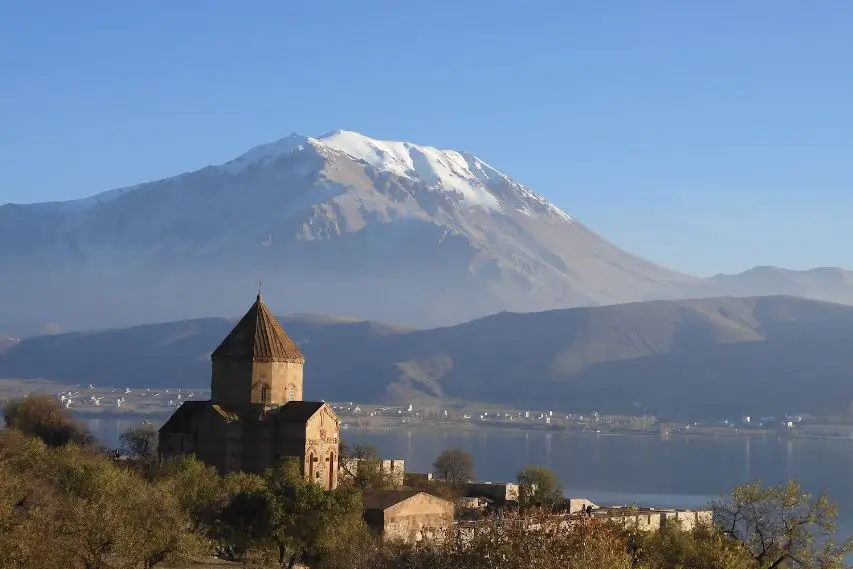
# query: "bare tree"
(140, 442)
(455, 466)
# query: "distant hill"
(830, 284)
(681, 359)
(7, 342)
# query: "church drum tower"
(256, 416)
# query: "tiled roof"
(296, 411)
(384, 499)
(181, 420)
(258, 337)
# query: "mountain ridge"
(341, 223)
(687, 359)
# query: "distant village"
(156, 404)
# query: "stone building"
(256, 416)
(407, 515)
(500, 492)
(653, 519)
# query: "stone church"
(256, 416)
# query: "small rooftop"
(384, 499)
(296, 411)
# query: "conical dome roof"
(258, 337)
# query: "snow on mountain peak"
(265, 152)
(439, 169)
(472, 179)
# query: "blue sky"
(706, 135)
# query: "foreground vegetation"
(65, 503)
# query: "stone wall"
(653, 520)
(284, 380)
(416, 527)
(421, 516)
(239, 383)
(579, 505)
(499, 491)
(231, 382)
(416, 478)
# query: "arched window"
(331, 470)
(265, 394)
(311, 466)
(291, 392)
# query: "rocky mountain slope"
(341, 224)
(689, 359)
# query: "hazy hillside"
(713, 357)
(825, 283)
(7, 342)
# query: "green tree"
(782, 526)
(364, 469)
(538, 486)
(373, 476)
(70, 506)
(306, 521)
(44, 417)
(454, 466)
(243, 523)
(199, 488)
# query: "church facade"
(256, 416)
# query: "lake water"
(608, 469)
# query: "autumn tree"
(702, 547)
(454, 466)
(783, 526)
(44, 417)
(509, 541)
(72, 507)
(30, 508)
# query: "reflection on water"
(677, 471)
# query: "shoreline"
(451, 427)
(526, 429)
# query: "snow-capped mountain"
(340, 223)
